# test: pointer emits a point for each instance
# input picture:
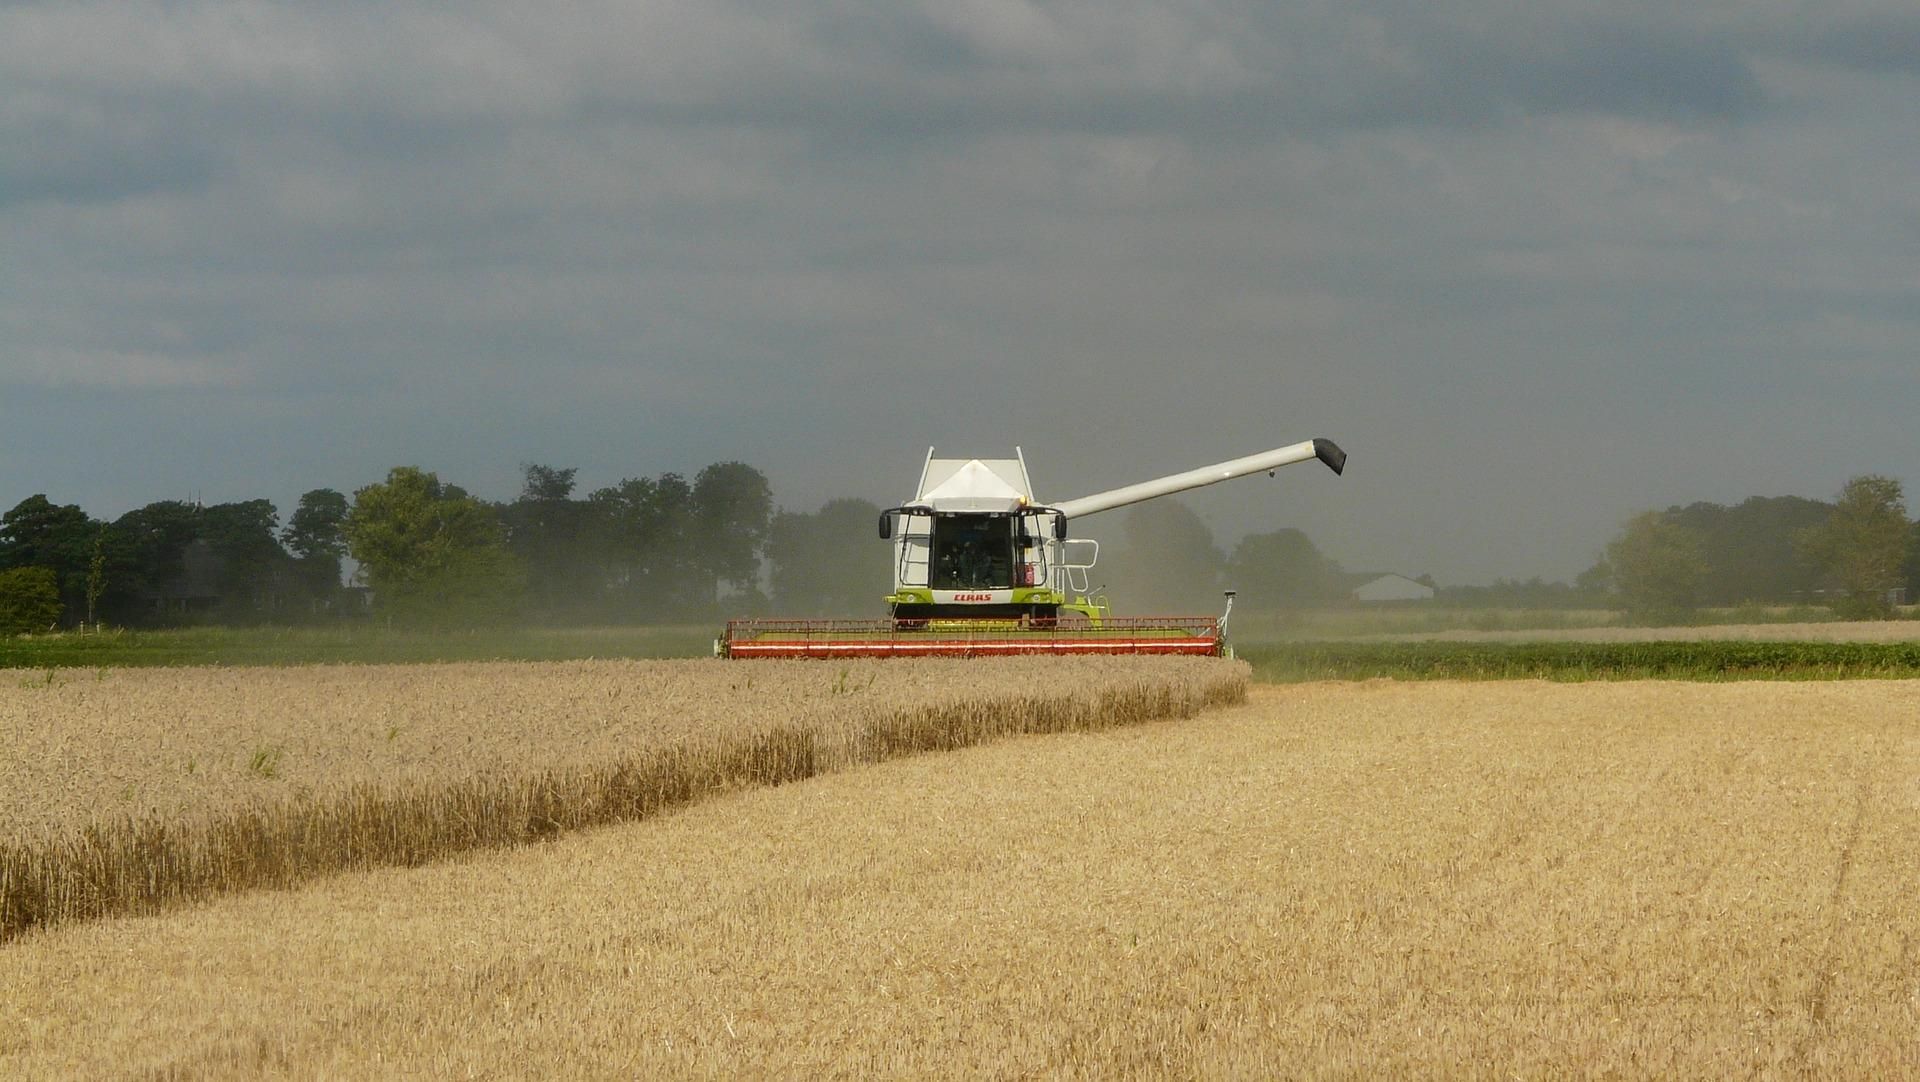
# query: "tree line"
(649, 549)
(1856, 555)
(668, 548)
(428, 552)
(1163, 558)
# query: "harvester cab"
(983, 567)
(975, 544)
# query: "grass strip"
(1574, 661)
(345, 645)
(139, 866)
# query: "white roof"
(1392, 587)
(974, 484)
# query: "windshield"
(972, 552)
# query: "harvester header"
(982, 567)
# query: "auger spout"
(1323, 449)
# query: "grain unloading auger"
(983, 568)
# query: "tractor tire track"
(1820, 995)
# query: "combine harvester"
(982, 568)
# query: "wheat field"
(183, 743)
(1403, 880)
(126, 790)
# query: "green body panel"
(1022, 595)
(1036, 598)
(1093, 612)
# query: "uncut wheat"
(133, 788)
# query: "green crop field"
(1667, 660)
(1659, 653)
(359, 644)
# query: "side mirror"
(1059, 527)
(886, 526)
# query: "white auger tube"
(1322, 449)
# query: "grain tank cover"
(974, 484)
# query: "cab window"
(972, 552)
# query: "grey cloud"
(900, 77)
(1654, 74)
(103, 152)
(871, 76)
(1583, 245)
(1889, 43)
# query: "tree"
(1863, 544)
(1281, 569)
(828, 563)
(432, 553)
(1750, 548)
(60, 537)
(96, 579)
(546, 483)
(550, 533)
(732, 507)
(1595, 581)
(316, 535)
(1910, 569)
(244, 538)
(145, 553)
(1166, 561)
(644, 540)
(317, 528)
(1657, 566)
(29, 600)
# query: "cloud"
(121, 371)
(93, 152)
(1131, 236)
(874, 70)
(1874, 43)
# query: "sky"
(1535, 265)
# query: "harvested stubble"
(1382, 880)
(1903, 630)
(131, 790)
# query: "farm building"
(1392, 588)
